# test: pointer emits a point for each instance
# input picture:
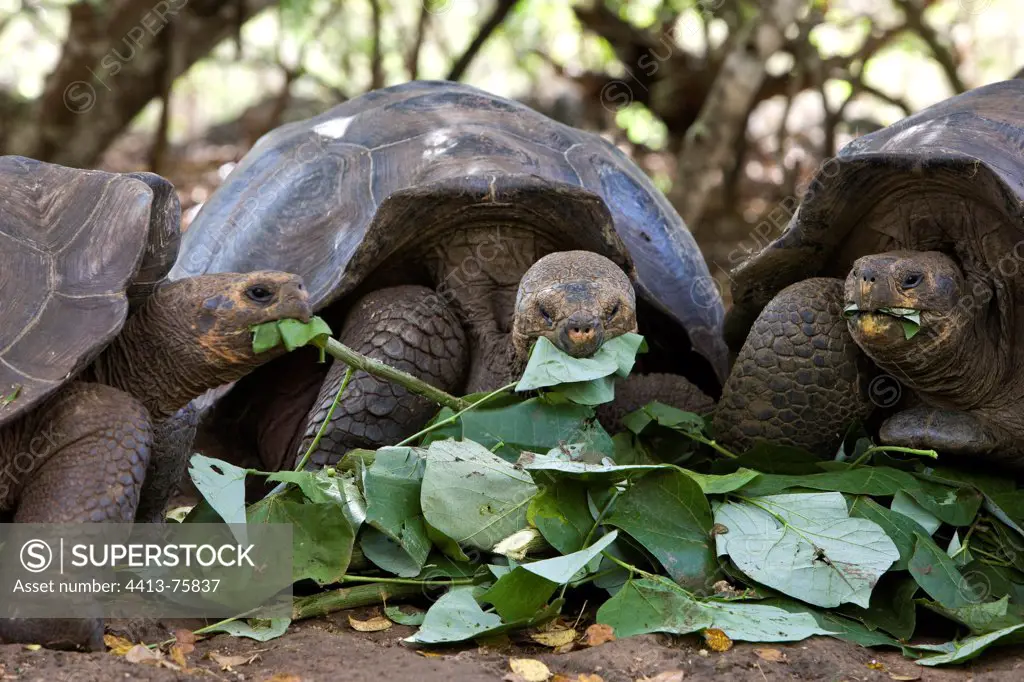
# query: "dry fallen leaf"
(142, 654)
(226, 663)
(185, 640)
(875, 665)
(375, 624)
(717, 640)
(32, 647)
(430, 654)
(118, 646)
(583, 677)
(904, 678)
(554, 638)
(529, 669)
(564, 649)
(598, 634)
(285, 677)
(770, 655)
(666, 676)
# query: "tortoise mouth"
(879, 319)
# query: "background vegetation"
(729, 105)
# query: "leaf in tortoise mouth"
(292, 333)
(910, 318)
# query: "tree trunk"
(110, 69)
(710, 142)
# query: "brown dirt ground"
(329, 649)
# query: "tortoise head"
(904, 302)
(577, 299)
(208, 319)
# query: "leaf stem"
(454, 417)
(893, 448)
(340, 351)
(301, 465)
(349, 598)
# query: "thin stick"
(301, 465)
(377, 368)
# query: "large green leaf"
(222, 485)
(966, 649)
(878, 481)
(557, 462)
(322, 537)
(901, 529)
(982, 617)
(260, 630)
(549, 366)
(392, 488)
(457, 616)
(562, 516)
(521, 592)
(806, 546)
(905, 505)
(937, 574)
(892, 606)
(667, 513)
(513, 425)
(472, 495)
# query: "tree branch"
(376, 59)
(412, 59)
(501, 11)
(913, 10)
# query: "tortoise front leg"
(89, 448)
(800, 378)
(409, 328)
(173, 440)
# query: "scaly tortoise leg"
(91, 446)
(407, 327)
(637, 390)
(173, 439)
(800, 379)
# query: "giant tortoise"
(93, 401)
(413, 212)
(925, 222)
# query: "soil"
(329, 649)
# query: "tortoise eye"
(615, 310)
(259, 293)
(912, 280)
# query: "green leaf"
(772, 459)
(878, 481)
(549, 366)
(473, 496)
(966, 649)
(982, 617)
(667, 513)
(904, 504)
(392, 487)
(292, 333)
(806, 546)
(324, 486)
(646, 605)
(557, 462)
(892, 606)
(222, 485)
(720, 484)
(322, 537)
(523, 591)
(663, 415)
(10, 397)
(455, 617)
(743, 621)
(535, 424)
(955, 506)
(593, 392)
(388, 554)
(936, 573)
(398, 616)
(901, 529)
(561, 515)
(262, 630)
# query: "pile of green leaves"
(503, 512)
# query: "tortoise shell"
(71, 244)
(332, 197)
(949, 178)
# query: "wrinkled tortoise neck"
(158, 360)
